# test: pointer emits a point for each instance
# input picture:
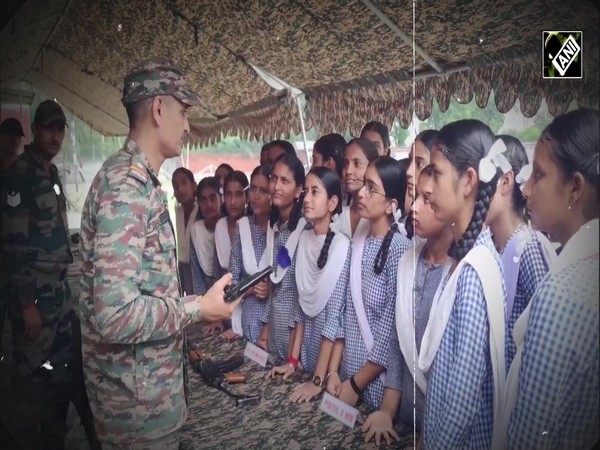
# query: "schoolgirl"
(322, 273)
(369, 311)
(184, 189)
(419, 274)
(357, 155)
(202, 249)
(526, 255)
(379, 134)
(553, 380)
(248, 255)
(463, 344)
(285, 226)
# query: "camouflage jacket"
(34, 236)
(131, 313)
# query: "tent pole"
(303, 130)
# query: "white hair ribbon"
(492, 161)
(524, 175)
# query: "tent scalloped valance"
(519, 79)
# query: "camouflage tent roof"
(350, 64)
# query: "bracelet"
(292, 361)
(327, 376)
(355, 386)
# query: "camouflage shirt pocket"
(46, 213)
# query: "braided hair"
(292, 162)
(333, 186)
(517, 157)
(574, 141)
(393, 178)
(207, 183)
(465, 143)
(331, 147)
(240, 177)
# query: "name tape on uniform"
(339, 410)
(256, 354)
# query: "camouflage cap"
(49, 112)
(157, 76)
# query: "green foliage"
(457, 111)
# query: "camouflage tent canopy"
(352, 65)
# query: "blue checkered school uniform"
(326, 324)
(200, 280)
(399, 375)
(379, 298)
(252, 307)
(532, 268)
(557, 403)
(459, 401)
(283, 310)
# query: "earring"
(569, 207)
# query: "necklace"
(519, 227)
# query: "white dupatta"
(405, 324)
(343, 224)
(223, 243)
(204, 244)
(576, 249)
(315, 286)
(358, 244)
(482, 260)
(250, 267)
(291, 245)
(183, 232)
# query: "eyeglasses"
(258, 190)
(369, 190)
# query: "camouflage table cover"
(215, 422)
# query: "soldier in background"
(35, 240)
(132, 311)
(11, 146)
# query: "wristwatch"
(317, 381)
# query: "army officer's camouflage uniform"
(131, 311)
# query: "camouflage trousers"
(43, 375)
(168, 442)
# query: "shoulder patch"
(139, 172)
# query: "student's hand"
(213, 307)
(261, 290)
(379, 424)
(230, 335)
(33, 322)
(305, 392)
(333, 382)
(285, 369)
(346, 394)
(213, 327)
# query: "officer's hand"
(33, 322)
(212, 306)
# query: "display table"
(214, 421)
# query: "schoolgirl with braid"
(285, 226)
(322, 273)
(248, 256)
(360, 357)
(526, 254)
(462, 350)
(358, 153)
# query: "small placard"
(339, 410)
(256, 354)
